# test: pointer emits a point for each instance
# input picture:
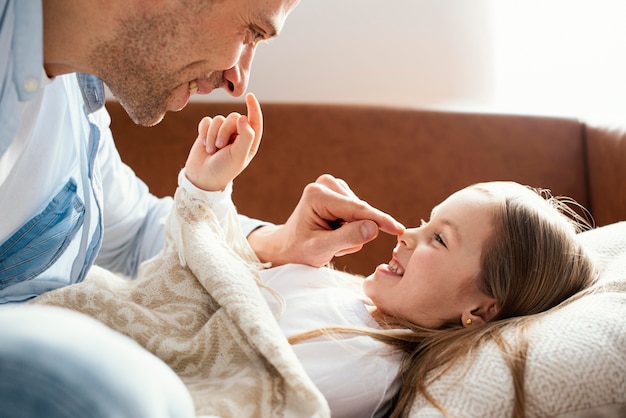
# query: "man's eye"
(256, 35)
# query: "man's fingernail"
(369, 230)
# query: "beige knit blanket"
(198, 307)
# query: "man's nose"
(236, 78)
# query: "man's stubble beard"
(130, 68)
(144, 106)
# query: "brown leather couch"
(402, 161)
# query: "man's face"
(158, 58)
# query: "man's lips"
(180, 95)
(179, 98)
(201, 86)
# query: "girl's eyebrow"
(454, 227)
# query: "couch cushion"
(576, 361)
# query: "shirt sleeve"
(224, 209)
(219, 201)
(133, 218)
(250, 224)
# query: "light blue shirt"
(67, 198)
(21, 52)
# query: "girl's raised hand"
(224, 147)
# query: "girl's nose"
(408, 238)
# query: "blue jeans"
(59, 363)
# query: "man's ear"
(484, 312)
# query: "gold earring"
(468, 321)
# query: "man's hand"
(224, 147)
(329, 221)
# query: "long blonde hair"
(531, 263)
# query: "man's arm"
(329, 221)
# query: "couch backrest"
(402, 161)
(606, 155)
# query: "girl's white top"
(356, 374)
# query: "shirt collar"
(92, 89)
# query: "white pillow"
(576, 362)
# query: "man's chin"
(147, 122)
(143, 117)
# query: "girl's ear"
(485, 312)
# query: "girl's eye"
(437, 237)
(440, 240)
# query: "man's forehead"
(273, 13)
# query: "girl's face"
(432, 277)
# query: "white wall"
(555, 57)
(420, 53)
(561, 57)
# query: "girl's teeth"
(394, 267)
(193, 87)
